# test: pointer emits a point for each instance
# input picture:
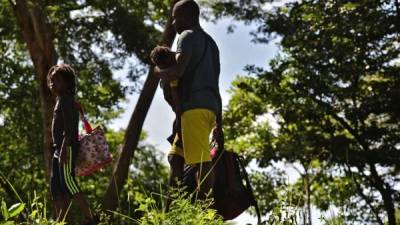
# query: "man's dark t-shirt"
(204, 88)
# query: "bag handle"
(249, 187)
(86, 124)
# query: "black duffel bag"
(232, 191)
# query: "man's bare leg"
(206, 179)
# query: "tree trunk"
(38, 36)
(307, 191)
(367, 199)
(386, 193)
(308, 194)
(132, 135)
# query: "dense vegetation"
(333, 90)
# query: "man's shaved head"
(188, 8)
(187, 12)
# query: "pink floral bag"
(94, 152)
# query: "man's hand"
(218, 134)
(157, 72)
(176, 71)
(162, 74)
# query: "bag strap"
(249, 187)
(86, 124)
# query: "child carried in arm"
(163, 57)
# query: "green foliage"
(148, 175)
(182, 211)
(245, 128)
(11, 212)
(285, 212)
(335, 220)
(97, 38)
(35, 212)
(267, 186)
(333, 92)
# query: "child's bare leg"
(66, 208)
(176, 163)
(61, 207)
(83, 205)
(58, 207)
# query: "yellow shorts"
(196, 128)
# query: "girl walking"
(64, 188)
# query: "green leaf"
(4, 210)
(16, 209)
(33, 214)
(349, 6)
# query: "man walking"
(197, 70)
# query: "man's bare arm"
(176, 71)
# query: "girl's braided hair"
(68, 75)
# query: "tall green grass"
(184, 210)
